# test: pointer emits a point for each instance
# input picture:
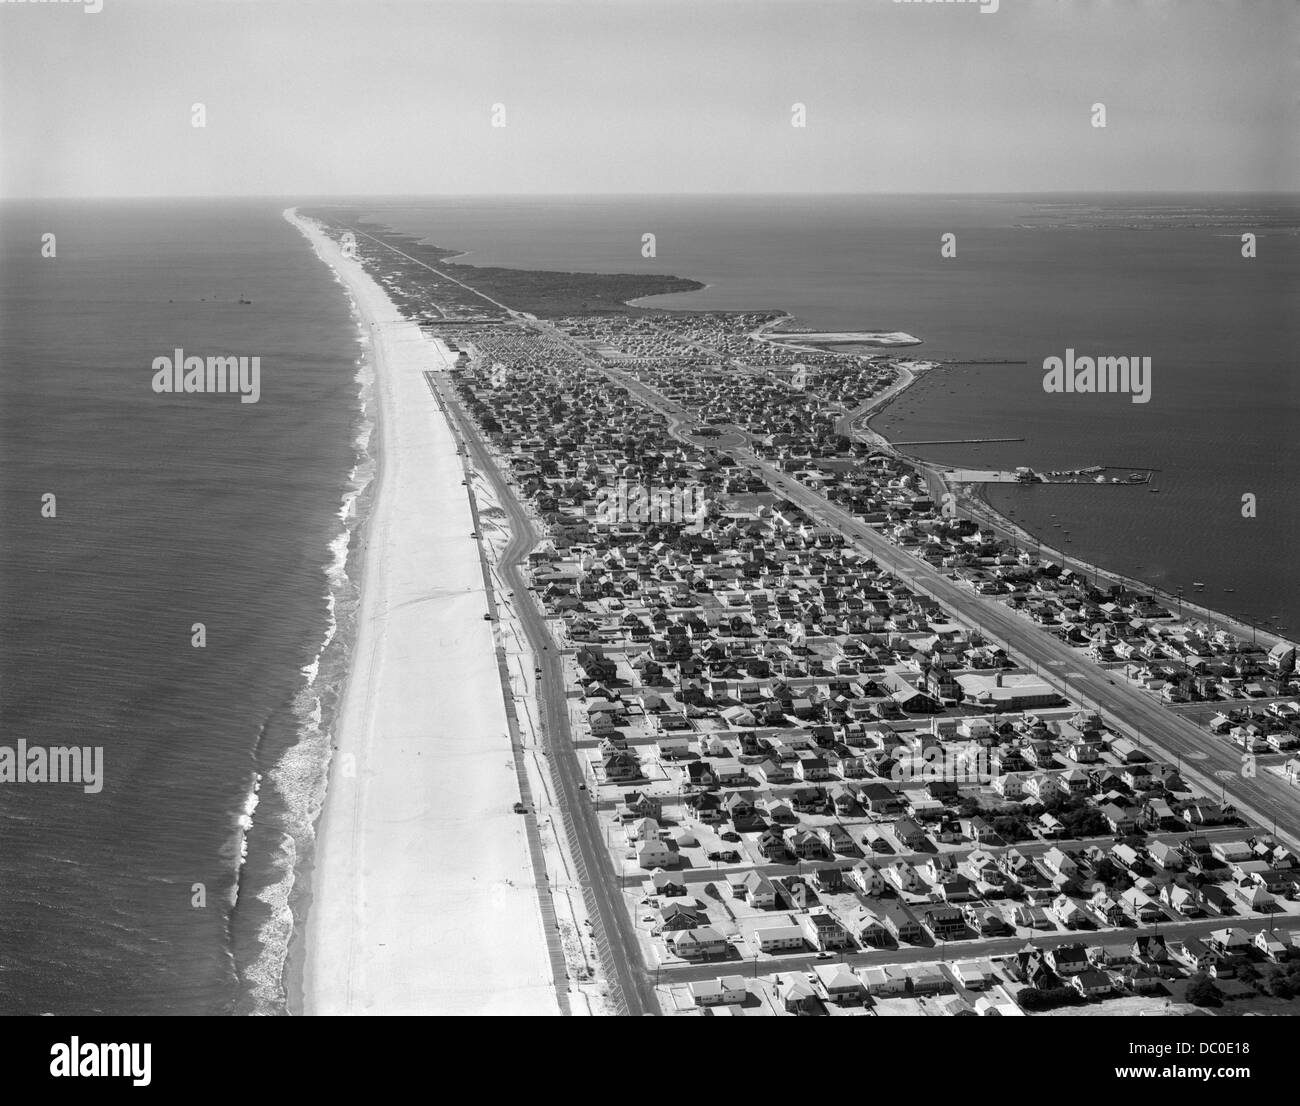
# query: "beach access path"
(423, 895)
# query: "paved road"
(612, 925)
(1029, 849)
(964, 950)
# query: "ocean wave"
(301, 773)
(235, 849)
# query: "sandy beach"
(423, 898)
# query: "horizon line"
(287, 196)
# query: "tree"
(1201, 991)
(1279, 986)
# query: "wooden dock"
(960, 441)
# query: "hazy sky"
(365, 97)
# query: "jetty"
(960, 441)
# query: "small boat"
(1197, 584)
(1229, 589)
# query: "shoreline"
(300, 895)
(419, 895)
(981, 508)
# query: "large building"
(1002, 692)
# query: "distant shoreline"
(778, 318)
(980, 505)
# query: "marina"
(1108, 475)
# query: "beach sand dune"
(423, 898)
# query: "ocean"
(169, 891)
(170, 510)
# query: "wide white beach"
(423, 898)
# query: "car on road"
(825, 955)
(474, 534)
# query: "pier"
(960, 441)
(1092, 475)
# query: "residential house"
(807, 845)
(902, 926)
(904, 877)
(1186, 902)
(777, 938)
(798, 997)
(704, 943)
(726, 990)
(760, 892)
(1091, 983)
(1069, 913)
(867, 878)
(1140, 906)
(1121, 819)
(884, 981)
(868, 928)
(1060, 863)
(909, 834)
(656, 854)
(945, 923)
(839, 983)
(823, 931)
(1068, 960)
